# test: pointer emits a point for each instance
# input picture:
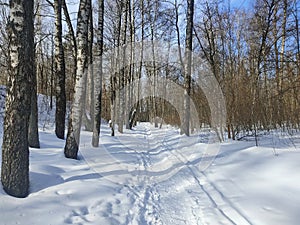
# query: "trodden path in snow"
(157, 172)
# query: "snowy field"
(156, 176)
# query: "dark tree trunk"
(33, 135)
(89, 121)
(33, 131)
(98, 82)
(71, 147)
(15, 149)
(73, 37)
(60, 112)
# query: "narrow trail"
(166, 186)
(145, 197)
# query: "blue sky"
(241, 3)
(73, 5)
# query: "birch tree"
(73, 136)
(98, 76)
(15, 149)
(122, 66)
(188, 67)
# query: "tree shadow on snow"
(41, 181)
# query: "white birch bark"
(73, 136)
(187, 67)
(15, 149)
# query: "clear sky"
(241, 3)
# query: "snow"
(157, 176)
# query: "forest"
(234, 68)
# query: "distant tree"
(122, 65)
(15, 149)
(33, 135)
(90, 97)
(3, 43)
(33, 131)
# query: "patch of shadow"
(52, 169)
(84, 177)
(40, 181)
(54, 144)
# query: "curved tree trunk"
(73, 136)
(15, 150)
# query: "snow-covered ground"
(156, 176)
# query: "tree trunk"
(74, 56)
(122, 73)
(33, 135)
(282, 118)
(178, 33)
(15, 150)
(188, 67)
(140, 66)
(131, 68)
(90, 97)
(98, 81)
(33, 130)
(60, 112)
(114, 81)
(52, 72)
(73, 136)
